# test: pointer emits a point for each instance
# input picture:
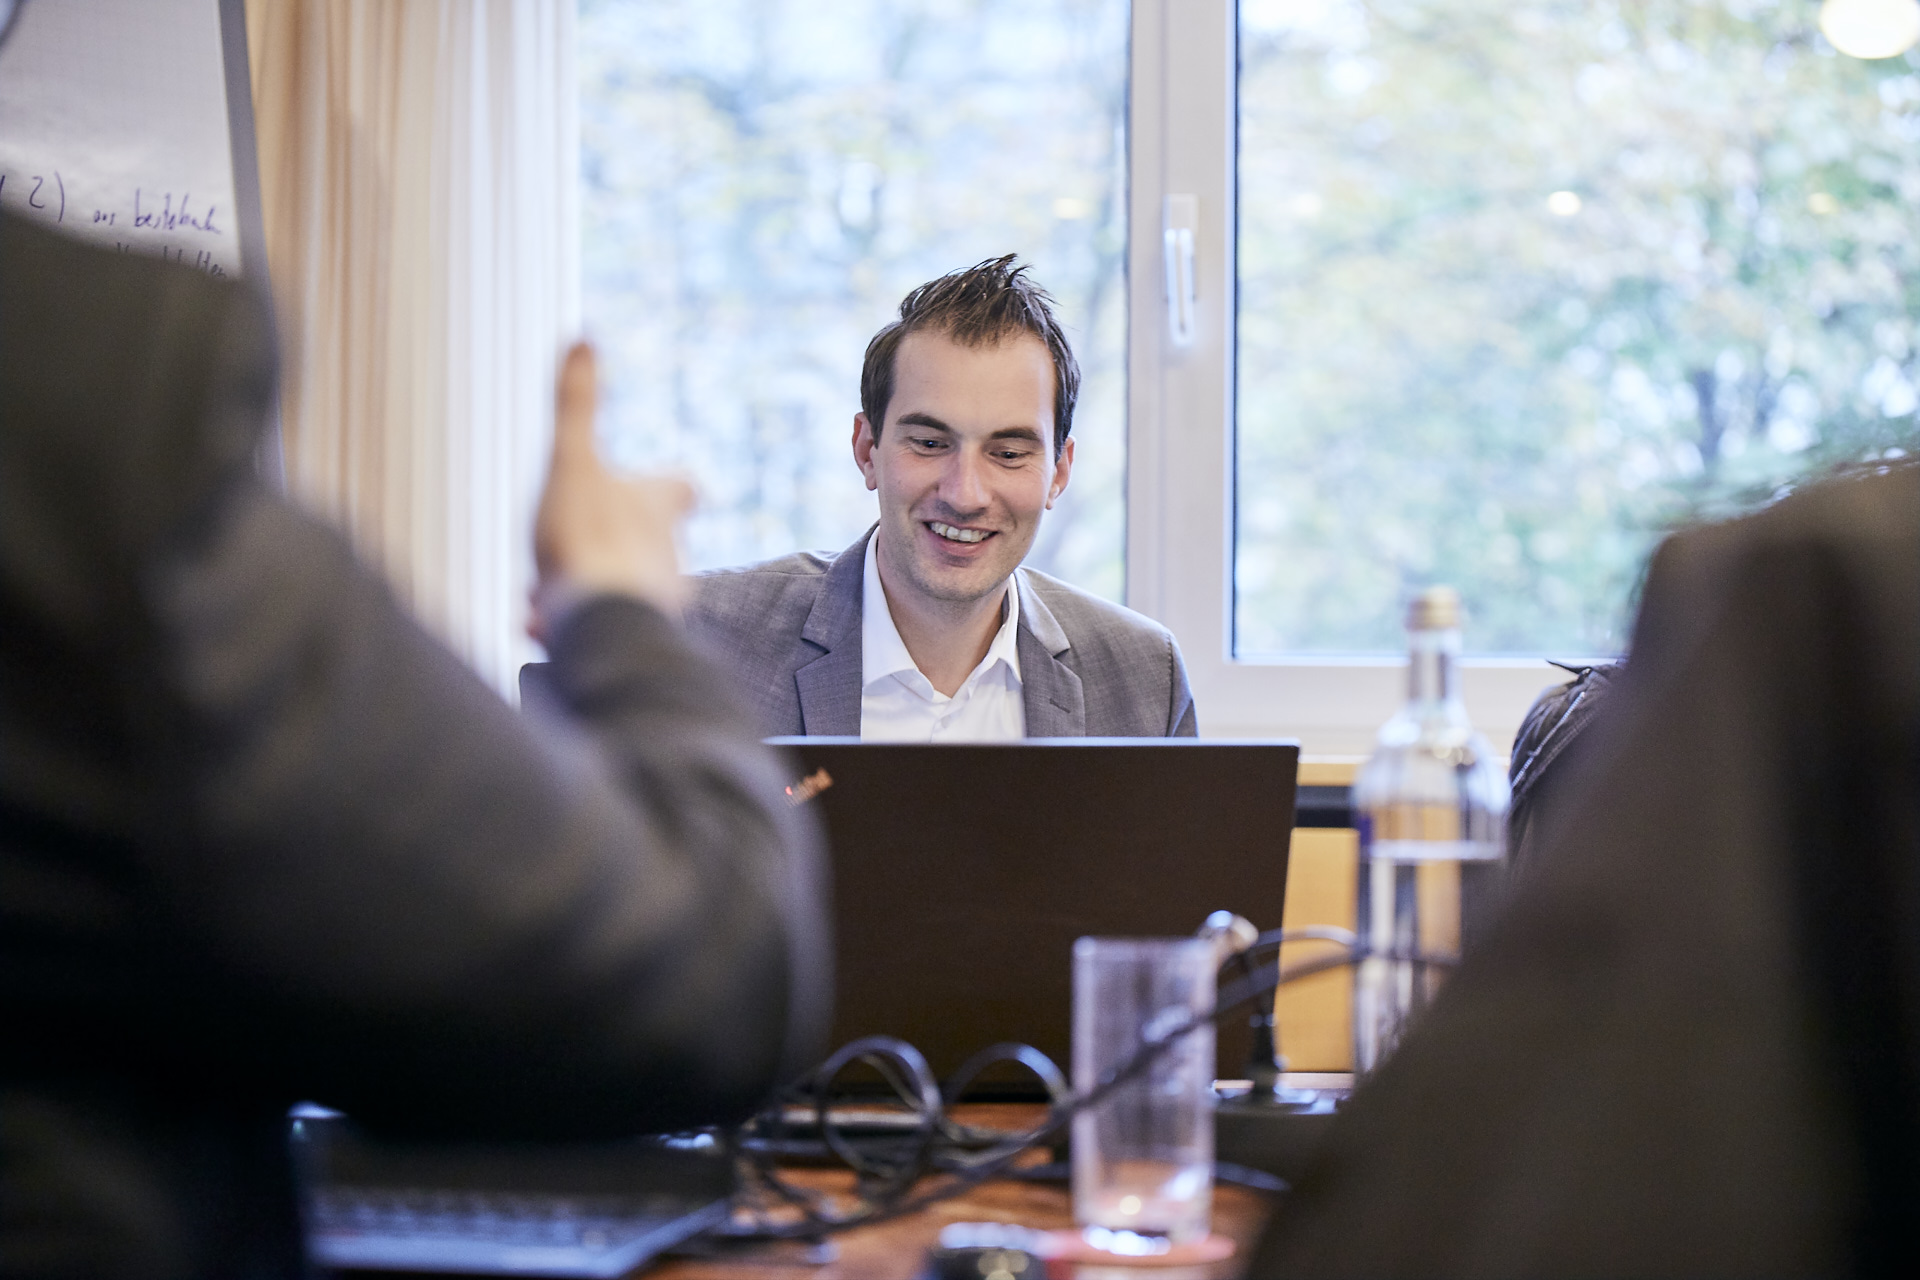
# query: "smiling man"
(928, 628)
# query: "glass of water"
(1143, 1158)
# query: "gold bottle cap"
(1435, 609)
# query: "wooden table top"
(897, 1249)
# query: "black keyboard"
(423, 1229)
(584, 1210)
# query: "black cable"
(891, 1181)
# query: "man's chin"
(973, 584)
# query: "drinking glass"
(1143, 1157)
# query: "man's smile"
(953, 533)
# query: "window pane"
(764, 180)
(1525, 284)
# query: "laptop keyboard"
(497, 1232)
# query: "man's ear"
(1062, 471)
(863, 443)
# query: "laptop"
(962, 873)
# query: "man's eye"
(926, 442)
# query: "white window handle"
(1182, 216)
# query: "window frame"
(1180, 482)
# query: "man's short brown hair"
(982, 305)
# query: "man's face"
(964, 465)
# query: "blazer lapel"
(1055, 701)
(829, 686)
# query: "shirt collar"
(883, 653)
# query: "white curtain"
(417, 166)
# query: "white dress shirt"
(898, 704)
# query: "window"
(764, 180)
(1478, 291)
(1524, 283)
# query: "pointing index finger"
(575, 400)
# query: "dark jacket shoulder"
(149, 378)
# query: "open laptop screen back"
(962, 873)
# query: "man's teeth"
(957, 535)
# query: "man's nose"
(964, 486)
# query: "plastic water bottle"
(1431, 805)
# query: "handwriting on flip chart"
(114, 128)
(172, 225)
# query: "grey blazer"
(789, 629)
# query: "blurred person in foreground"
(1692, 1045)
(929, 628)
(262, 839)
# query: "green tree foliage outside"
(1526, 284)
(763, 180)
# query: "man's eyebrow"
(922, 420)
(1016, 433)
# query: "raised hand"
(597, 531)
